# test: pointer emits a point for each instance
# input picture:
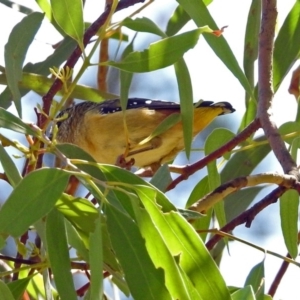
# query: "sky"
(211, 81)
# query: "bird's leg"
(154, 143)
(149, 172)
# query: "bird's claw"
(122, 163)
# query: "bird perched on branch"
(102, 130)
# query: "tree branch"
(265, 88)
(188, 170)
(248, 215)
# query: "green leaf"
(31, 200)
(287, 128)
(214, 141)
(125, 80)
(245, 293)
(61, 53)
(58, 253)
(5, 293)
(113, 173)
(184, 242)
(289, 204)
(177, 20)
(69, 16)
(160, 54)
(249, 114)
(21, 8)
(186, 103)
(96, 262)
(5, 97)
(243, 162)
(166, 124)
(144, 280)
(200, 190)
(45, 6)
(79, 211)
(143, 25)
(109, 256)
(15, 51)
(286, 46)
(74, 152)
(177, 282)
(9, 168)
(76, 241)
(10, 121)
(162, 178)
(250, 57)
(198, 11)
(18, 287)
(236, 203)
(256, 279)
(295, 147)
(251, 40)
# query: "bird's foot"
(122, 163)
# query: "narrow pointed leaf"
(18, 287)
(251, 40)
(162, 178)
(96, 262)
(79, 211)
(15, 51)
(166, 124)
(177, 283)
(69, 16)
(289, 204)
(5, 293)
(184, 242)
(160, 54)
(31, 200)
(10, 121)
(58, 253)
(125, 80)
(198, 11)
(286, 46)
(113, 173)
(256, 279)
(143, 25)
(177, 20)
(9, 167)
(245, 293)
(186, 103)
(216, 139)
(144, 280)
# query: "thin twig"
(188, 170)
(248, 216)
(278, 277)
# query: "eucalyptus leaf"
(16, 48)
(31, 200)
(160, 54)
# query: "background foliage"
(119, 227)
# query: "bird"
(100, 130)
